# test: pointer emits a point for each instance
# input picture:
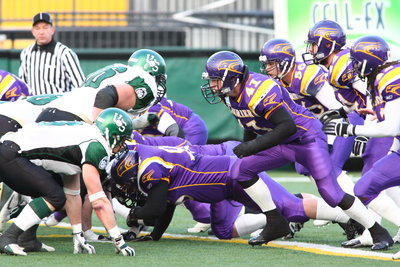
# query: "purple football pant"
(311, 152)
(200, 211)
(376, 149)
(225, 213)
(195, 130)
(384, 173)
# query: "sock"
(394, 193)
(386, 207)
(32, 214)
(326, 212)
(346, 183)
(120, 209)
(248, 223)
(260, 194)
(361, 214)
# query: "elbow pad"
(106, 97)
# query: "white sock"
(259, 193)
(394, 193)
(27, 218)
(346, 183)
(326, 212)
(386, 207)
(361, 214)
(248, 223)
(120, 209)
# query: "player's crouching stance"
(30, 157)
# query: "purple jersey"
(386, 88)
(260, 96)
(307, 80)
(137, 138)
(11, 87)
(341, 77)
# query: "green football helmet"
(152, 62)
(115, 125)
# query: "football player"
(12, 87)
(177, 174)
(27, 158)
(286, 132)
(370, 58)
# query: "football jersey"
(180, 113)
(143, 83)
(386, 88)
(259, 97)
(62, 147)
(188, 174)
(27, 109)
(307, 80)
(342, 76)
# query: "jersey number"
(96, 78)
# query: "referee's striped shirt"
(49, 69)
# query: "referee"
(48, 66)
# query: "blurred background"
(186, 33)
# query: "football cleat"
(381, 238)
(90, 236)
(13, 249)
(294, 227)
(396, 238)
(35, 246)
(12, 207)
(354, 243)
(199, 228)
(352, 228)
(381, 245)
(396, 256)
(277, 227)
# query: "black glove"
(246, 149)
(332, 114)
(132, 220)
(359, 145)
(143, 238)
(153, 119)
(339, 129)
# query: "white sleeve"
(326, 97)
(389, 127)
(165, 121)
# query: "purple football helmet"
(225, 66)
(328, 36)
(124, 185)
(14, 88)
(367, 53)
(279, 51)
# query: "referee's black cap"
(45, 17)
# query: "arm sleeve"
(156, 203)
(248, 135)
(327, 97)
(163, 222)
(106, 97)
(175, 130)
(389, 127)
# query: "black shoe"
(129, 235)
(35, 246)
(294, 227)
(381, 237)
(276, 227)
(354, 243)
(352, 228)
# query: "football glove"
(332, 114)
(339, 129)
(122, 247)
(246, 149)
(81, 244)
(153, 119)
(359, 145)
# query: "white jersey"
(81, 100)
(62, 147)
(26, 110)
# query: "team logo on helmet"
(393, 89)
(366, 47)
(230, 65)
(141, 92)
(148, 176)
(119, 122)
(152, 62)
(126, 164)
(282, 48)
(325, 33)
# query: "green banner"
(357, 17)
